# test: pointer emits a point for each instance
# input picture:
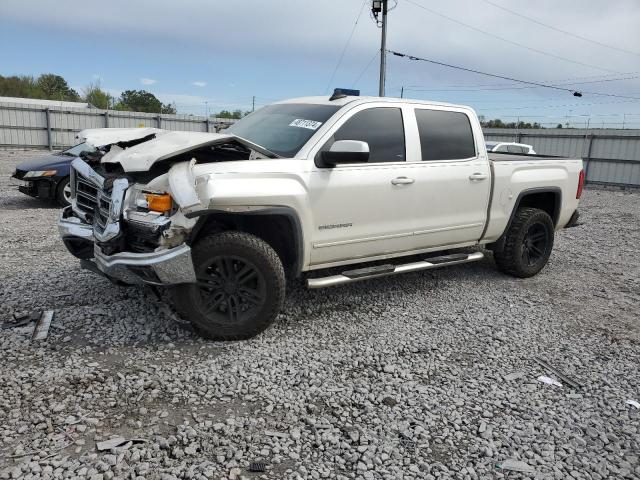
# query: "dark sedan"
(47, 177)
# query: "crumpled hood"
(141, 157)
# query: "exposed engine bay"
(160, 150)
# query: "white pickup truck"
(363, 186)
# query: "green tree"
(20, 86)
(143, 101)
(169, 108)
(236, 114)
(55, 87)
(95, 96)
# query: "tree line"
(49, 86)
(497, 123)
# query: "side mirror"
(346, 151)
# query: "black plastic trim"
(288, 212)
(556, 212)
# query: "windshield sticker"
(301, 123)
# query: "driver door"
(363, 210)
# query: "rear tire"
(527, 244)
(240, 289)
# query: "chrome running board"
(386, 270)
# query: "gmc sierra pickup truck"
(354, 184)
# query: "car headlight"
(40, 173)
(153, 201)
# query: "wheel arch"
(279, 226)
(548, 199)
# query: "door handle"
(402, 181)
(477, 176)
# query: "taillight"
(580, 184)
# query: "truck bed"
(509, 157)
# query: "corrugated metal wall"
(611, 156)
(32, 126)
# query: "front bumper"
(39, 187)
(170, 266)
(165, 267)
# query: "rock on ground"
(427, 375)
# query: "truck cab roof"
(325, 100)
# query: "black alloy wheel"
(535, 244)
(232, 289)
(527, 243)
(240, 286)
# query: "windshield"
(76, 150)
(284, 128)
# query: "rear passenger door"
(452, 178)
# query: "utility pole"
(380, 7)
(402, 92)
(253, 104)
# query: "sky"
(208, 55)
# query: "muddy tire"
(527, 244)
(240, 289)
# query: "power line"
(365, 69)
(346, 45)
(417, 88)
(551, 27)
(602, 77)
(412, 57)
(575, 93)
(542, 52)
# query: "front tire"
(527, 244)
(63, 192)
(240, 289)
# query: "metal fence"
(33, 126)
(611, 156)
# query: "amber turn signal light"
(159, 202)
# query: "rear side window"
(445, 135)
(381, 128)
(515, 149)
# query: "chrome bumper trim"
(165, 267)
(114, 199)
(71, 226)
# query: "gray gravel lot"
(427, 375)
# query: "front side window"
(515, 149)
(283, 128)
(502, 148)
(445, 135)
(381, 128)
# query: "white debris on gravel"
(549, 381)
(410, 377)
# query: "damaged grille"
(96, 203)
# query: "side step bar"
(385, 270)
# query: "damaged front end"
(130, 200)
(109, 229)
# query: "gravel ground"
(427, 375)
